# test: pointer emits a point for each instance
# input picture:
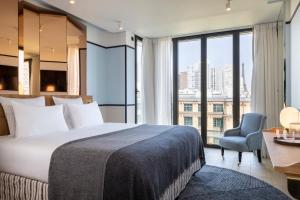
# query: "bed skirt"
(13, 187)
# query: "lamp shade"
(289, 115)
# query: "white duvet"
(30, 156)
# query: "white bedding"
(30, 156)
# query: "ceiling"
(158, 18)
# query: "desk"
(285, 159)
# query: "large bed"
(109, 161)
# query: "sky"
(219, 53)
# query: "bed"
(109, 161)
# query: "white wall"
(107, 39)
(106, 73)
(295, 60)
(293, 6)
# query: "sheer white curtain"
(157, 81)
(147, 89)
(73, 70)
(163, 55)
(267, 95)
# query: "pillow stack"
(30, 116)
(79, 115)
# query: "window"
(218, 123)
(218, 108)
(213, 71)
(188, 121)
(219, 83)
(188, 107)
(189, 80)
(138, 95)
(246, 66)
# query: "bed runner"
(136, 163)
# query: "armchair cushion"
(236, 143)
(252, 122)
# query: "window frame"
(188, 117)
(216, 107)
(188, 107)
(221, 120)
(203, 57)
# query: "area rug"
(214, 183)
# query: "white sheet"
(30, 156)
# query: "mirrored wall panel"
(53, 38)
(31, 31)
(9, 46)
(41, 50)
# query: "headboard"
(48, 101)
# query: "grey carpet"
(214, 183)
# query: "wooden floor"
(249, 165)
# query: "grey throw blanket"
(137, 163)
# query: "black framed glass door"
(209, 87)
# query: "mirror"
(31, 42)
(76, 42)
(9, 45)
(53, 52)
(41, 50)
(53, 38)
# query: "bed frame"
(14, 187)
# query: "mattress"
(30, 156)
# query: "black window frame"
(203, 56)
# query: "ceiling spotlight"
(72, 1)
(41, 28)
(228, 5)
(121, 27)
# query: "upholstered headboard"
(49, 101)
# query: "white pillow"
(85, 115)
(9, 113)
(65, 101)
(32, 120)
(60, 101)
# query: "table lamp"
(289, 115)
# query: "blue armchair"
(246, 137)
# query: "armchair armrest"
(232, 132)
(254, 140)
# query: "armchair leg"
(259, 155)
(222, 152)
(240, 158)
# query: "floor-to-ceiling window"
(212, 81)
(246, 66)
(219, 86)
(189, 91)
(138, 71)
